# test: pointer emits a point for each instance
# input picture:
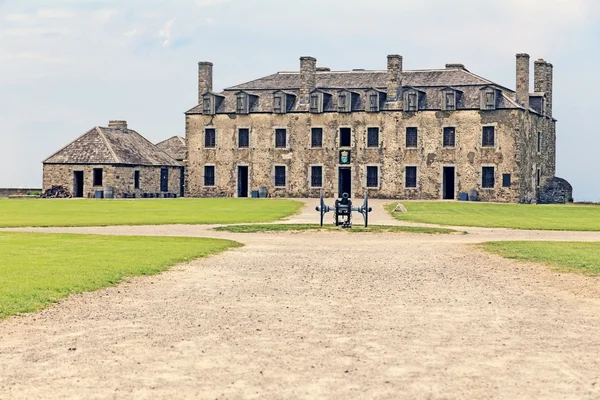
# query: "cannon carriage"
(342, 210)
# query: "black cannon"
(343, 210)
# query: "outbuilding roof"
(114, 145)
(175, 146)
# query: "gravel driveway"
(319, 315)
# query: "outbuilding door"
(77, 183)
(242, 181)
(448, 184)
(164, 179)
(344, 181)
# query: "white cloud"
(165, 32)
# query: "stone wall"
(556, 191)
(5, 192)
(514, 134)
(121, 178)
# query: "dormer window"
(449, 100)
(208, 104)
(343, 102)
(316, 103)
(411, 101)
(242, 103)
(488, 99)
(374, 102)
(279, 106)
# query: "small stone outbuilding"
(114, 162)
(176, 147)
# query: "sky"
(69, 65)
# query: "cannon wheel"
(366, 208)
(322, 206)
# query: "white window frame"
(287, 138)
(495, 167)
(339, 136)
(367, 137)
(416, 187)
(249, 137)
(418, 128)
(204, 176)
(445, 100)
(455, 137)
(204, 138)
(310, 167)
(283, 98)
(310, 142)
(495, 126)
(274, 176)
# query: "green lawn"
(69, 212)
(313, 227)
(38, 269)
(490, 215)
(562, 256)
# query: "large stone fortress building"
(424, 134)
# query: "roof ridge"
(99, 130)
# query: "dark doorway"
(448, 183)
(164, 179)
(345, 181)
(182, 182)
(242, 181)
(77, 183)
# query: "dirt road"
(318, 315)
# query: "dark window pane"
(97, 176)
(487, 138)
(345, 137)
(411, 177)
(538, 177)
(411, 137)
(244, 137)
(372, 176)
(164, 180)
(373, 137)
(505, 180)
(280, 138)
(210, 138)
(539, 142)
(209, 175)
(279, 175)
(316, 176)
(449, 137)
(136, 179)
(316, 139)
(487, 177)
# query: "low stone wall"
(556, 191)
(5, 192)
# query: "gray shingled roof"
(175, 146)
(111, 146)
(364, 80)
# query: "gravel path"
(319, 315)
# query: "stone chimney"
(117, 124)
(523, 79)
(394, 78)
(542, 81)
(205, 79)
(308, 78)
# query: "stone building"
(114, 159)
(176, 147)
(422, 134)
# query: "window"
(242, 103)
(316, 176)
(412, 102)
(538, 177)
(279, 104)
(487, 139)
(449, 102)
(411, 137)
(207, 105)
(280, 138)
(372, 137)
(343, 102)
(345, 137)
(97, 176)
(449, 136)
(487, 177)
(136, 179)
(506, 180)
(243, 138)
(316, 103)
(209, 175)
(488, 99)
(210, 138)
(372, 178)
(374, 102)
(316, 137)
(280, 175)
(539, 142)
(411, 177)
